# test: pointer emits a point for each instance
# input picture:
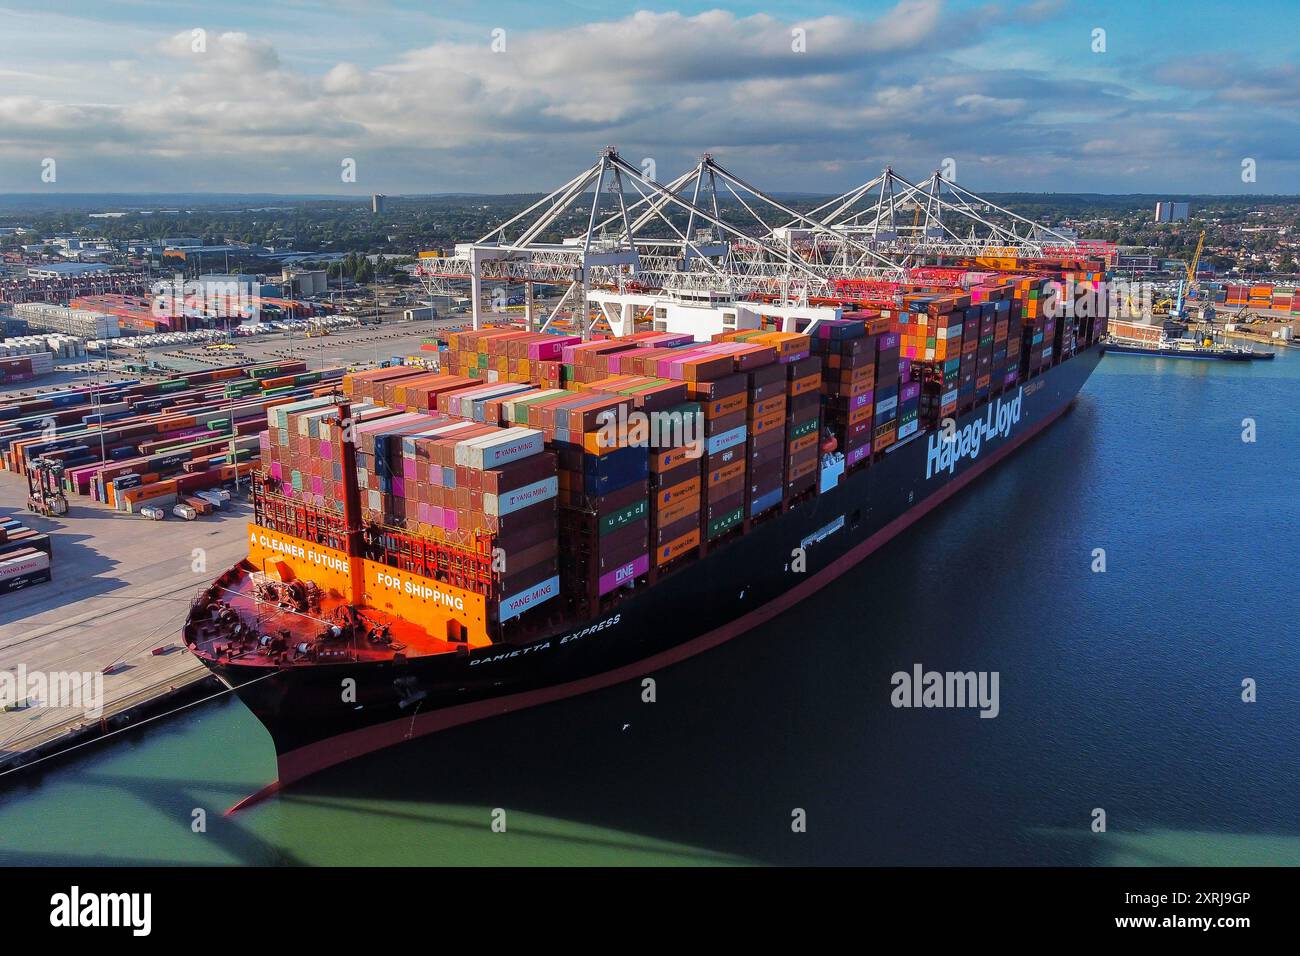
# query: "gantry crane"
(646, 240)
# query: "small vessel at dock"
(1185, 349)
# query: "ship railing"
(280, 513)
(466, 564)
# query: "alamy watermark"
(637, 429)
(76, 690)
(133, 911)
(210, 299)
(1115, 298)
(922, 688)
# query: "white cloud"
(456, 115)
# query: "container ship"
(548, 514)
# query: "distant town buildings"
(1172, 211)
(1140, 262)
(377, 203)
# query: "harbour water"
(1119, 690)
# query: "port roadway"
(121, 588)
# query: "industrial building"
(1172, 211)
(305, 282)
(64, 270)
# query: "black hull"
(733, 588)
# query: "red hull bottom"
(305, 761)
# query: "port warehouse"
(507, 452)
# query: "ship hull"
(325, 714)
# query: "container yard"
(102, 589)
(1262, 297)
(130, 443)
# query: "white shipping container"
(492, 451)
(12, 567)
(511, 501)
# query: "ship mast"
(351, 504)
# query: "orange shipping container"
(678, 547)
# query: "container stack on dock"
(1260, 297)
(25, 556)
(59, 346)
(14, 371)
(136, 314)
(82, 323)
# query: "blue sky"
(273, 96)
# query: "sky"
(275, 96)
